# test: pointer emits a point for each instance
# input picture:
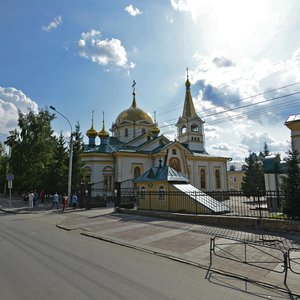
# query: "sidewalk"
(190, 243)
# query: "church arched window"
(202, 179)
(194, 128)
(232, 168)
(142, 192)
(126, 132)
(183, 129)
(218, 179)
(87, 175)
(161, 192)
(174, 151)
(143, 130)
(137, 172)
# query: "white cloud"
(12, 100)
(241, 27)
(106, 52)
(133, 11)
(221, 147)
(53, 24)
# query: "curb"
(184, 261)
(188, 262)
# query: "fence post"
(210, 252)
(88, 195)
(259, 203)
(118, 199)
(285, 262)
(196, 203)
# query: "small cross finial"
(187, 73)
(133, 87)
(92, 118)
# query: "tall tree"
(32, 147)
(291, 185)
(77, 164)
(56, 179)
(253, 181)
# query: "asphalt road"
(40, 261)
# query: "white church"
(135, 145)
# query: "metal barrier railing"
(294, 260)
(288, 259)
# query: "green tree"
(32, 147)
(253, 181)
(291, 185)
(56, 179)
(77, 166)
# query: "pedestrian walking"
(30, 199)
(42, 196)
(74, 200)
(55, 201)
(35, 199)
(64, 201)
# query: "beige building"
(293, 123)
(135, 146)
(235, 178)
(163, 188)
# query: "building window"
(126, 132)
(202, 179)
(142, 192)
(143, 130)
(174, 151)
(137, 172)
(218, 179)
(161, 193)
(87, 175)
(148, 138)
(108, 182)
(194, 128)
(183, 129)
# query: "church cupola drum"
(132, 122)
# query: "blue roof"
(162, 173)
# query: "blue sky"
(81, 56)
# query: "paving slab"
(191, 243)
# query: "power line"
(222, 87)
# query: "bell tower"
(190, 129)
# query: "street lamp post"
(71, 153)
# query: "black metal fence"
(265, 204)
(256, 255)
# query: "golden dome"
(92, 132)
(103, 133)
(155, 129)
(133, 114)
